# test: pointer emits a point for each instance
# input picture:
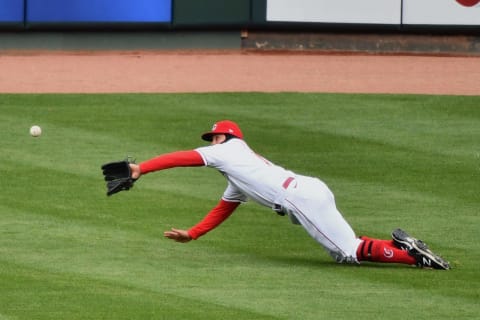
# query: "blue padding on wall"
(147, 11)
(11, 10)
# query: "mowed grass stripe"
(35, 293)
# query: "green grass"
(69, 252)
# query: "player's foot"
(419, 250)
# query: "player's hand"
(178, 235)
(135, 169)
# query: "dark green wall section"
(115, 40)
(211, 13)
(258, 12)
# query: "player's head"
(226, 127)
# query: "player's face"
(218, 138)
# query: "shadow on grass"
(330, 264)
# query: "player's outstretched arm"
(214, 218)
(189, 158)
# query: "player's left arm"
(213, 219)
(189, 158)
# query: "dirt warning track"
(235, 71)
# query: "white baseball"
(35, 131)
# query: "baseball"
(35, 131)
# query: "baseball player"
(307, 201)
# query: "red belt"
(287, 182)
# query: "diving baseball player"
(307, 201)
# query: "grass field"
(69, 252)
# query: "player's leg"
(313, 205)
(328, 227)
(376, 250)
(402, 249)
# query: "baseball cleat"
(419, 250)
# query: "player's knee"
(341, 257)
(293, 218)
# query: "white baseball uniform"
(307, 200)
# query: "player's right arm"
(214, 218)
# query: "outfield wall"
(403, 15)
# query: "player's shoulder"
(236, 144)
(231, 146)
(235, 141)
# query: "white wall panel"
(441, 12)
(335, 11)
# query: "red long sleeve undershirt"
(190, 158)
(214, 218)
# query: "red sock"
(376, 250)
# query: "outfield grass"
(69, 252)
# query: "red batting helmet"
(223, 127)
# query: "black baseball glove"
(118, 176)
